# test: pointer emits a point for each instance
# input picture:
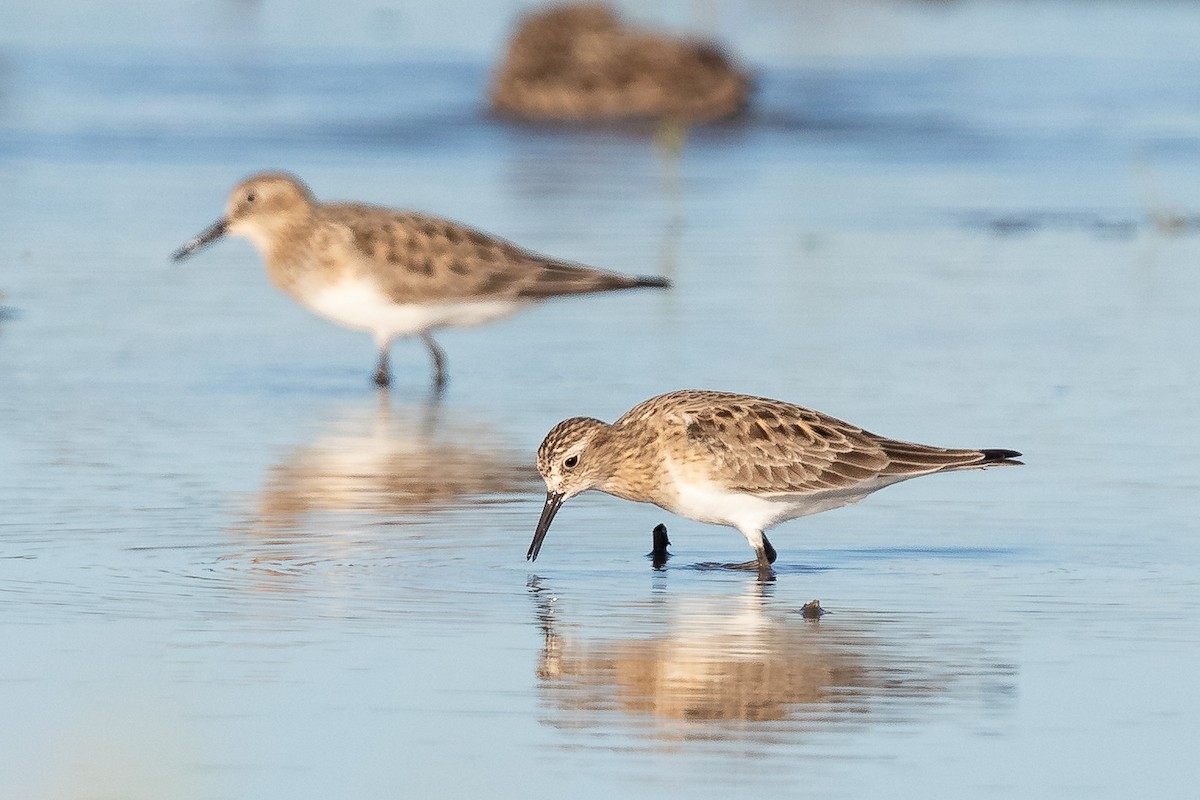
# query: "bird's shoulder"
(418, 256)
(762, 445)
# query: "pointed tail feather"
(909, 458)
(979, 459)
(995, 456)
(557, 278)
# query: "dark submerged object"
(579, 62)
(658, 554)
(812, 610)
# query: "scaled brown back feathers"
(434, 259)
(767, 446)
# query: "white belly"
(705, 500)
(359, 304)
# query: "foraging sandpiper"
(732, 459)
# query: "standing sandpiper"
(393, 273)
(732, 459)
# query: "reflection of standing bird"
(392, 464)
(731, 459)
(393, 273)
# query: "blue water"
(229, 568)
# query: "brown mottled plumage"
(579, 62)
(393, 273)
(732, 459)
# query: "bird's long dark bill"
(554, 502)
(206, 237)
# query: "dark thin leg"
(765, 554)
(439, 361)
(761, 564)
(764, 557)
(383, 372)
(768, 550)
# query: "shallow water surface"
(231, 568)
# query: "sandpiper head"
(566, 465)
(258, 207)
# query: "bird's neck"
(637, 469)
(286, 249)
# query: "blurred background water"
(229, 568)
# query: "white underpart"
(706, 500)
(359, 304)
(258, 236)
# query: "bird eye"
(250, 197)
(571, 462)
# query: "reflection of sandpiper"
(578, 62)
(389, 462)
(702, 662)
